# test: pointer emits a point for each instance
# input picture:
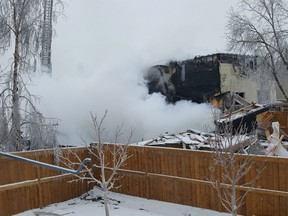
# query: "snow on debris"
(193, 139)
(189, 137)
(197, 140)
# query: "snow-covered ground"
(120, 205)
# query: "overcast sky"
(102, 48)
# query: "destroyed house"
(203, 77)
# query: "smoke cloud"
(100, 54)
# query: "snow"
(190, 137)
(196, 140)
(120, 205)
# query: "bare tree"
(261, 27)
(41, 131)
(231, 162)
(21, 31)
(107, 159)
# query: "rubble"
(245, 117)
(241, 127)
(249, 125)
(196, 140)
(275, 147)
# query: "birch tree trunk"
(21, 27)
(15, 128)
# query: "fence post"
(147, 179)
(40, 193)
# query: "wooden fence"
(182, 176)
(25, 186)
(173, 175)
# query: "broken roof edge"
(221, 57)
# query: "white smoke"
(126, 99)
(101, 51)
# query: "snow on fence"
(26, 186)
(173, 175)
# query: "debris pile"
(275, 146)
(248, 132)
(197, 140)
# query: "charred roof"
(228, 58)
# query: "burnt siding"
(202, 80)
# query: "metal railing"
(46, 165)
